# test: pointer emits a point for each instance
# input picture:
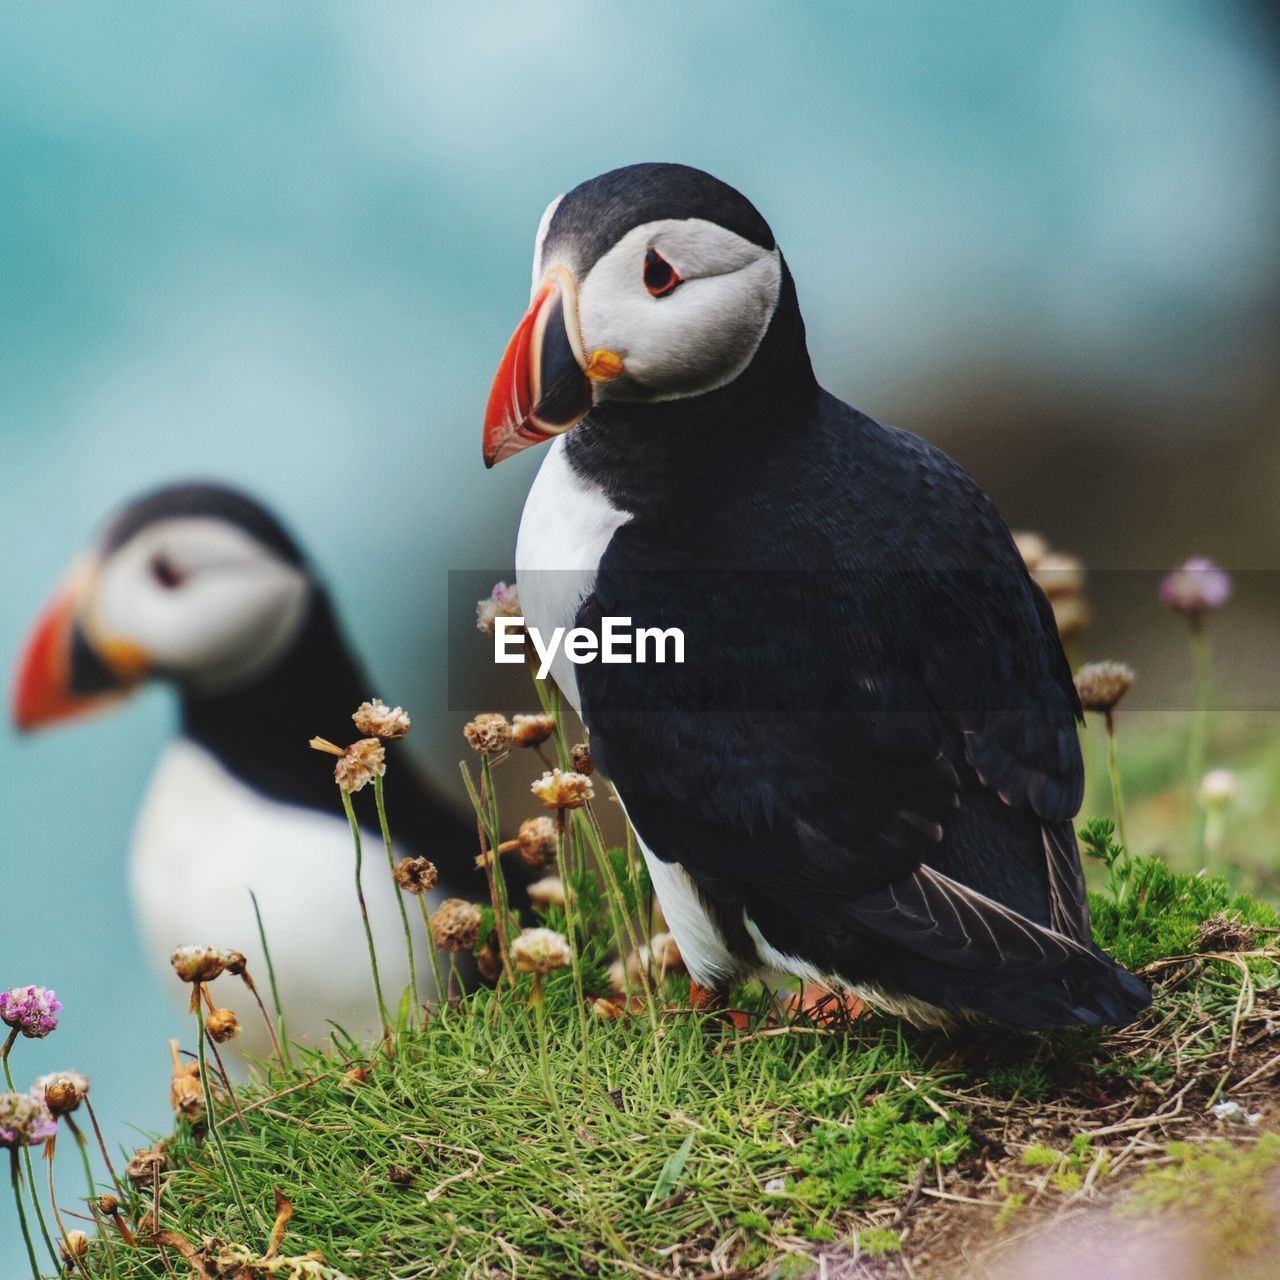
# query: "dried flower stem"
(276, 1030)
(480, 802)
(596, 837)
(226, 1083)
(68, 1251)
(1113, 768)
(571, 928)
(364, 915)
(82, 1143)
(1202, 661)
(102, 1146)
(502, 912)
(26, 1158)
(404, 913)
(211, 1119)
(15, 1178)
(436, 972)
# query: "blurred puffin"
(866, 769)
(200, 586)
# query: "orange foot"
(826, 1008)
(705, 999)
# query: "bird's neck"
(260, 731)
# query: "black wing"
(871, 742)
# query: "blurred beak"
(63, 673)
(544, 383)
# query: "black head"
(655, 284)
(193, 583)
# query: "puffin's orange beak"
(61, 674)
(543, 384)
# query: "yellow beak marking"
(604, 366)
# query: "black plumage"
(870, 754)
(258, 730)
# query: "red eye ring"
(660, 277)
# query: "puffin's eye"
(660, 276)
(166, 573)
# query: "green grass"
(777, 1135)
(449, 1157)
(690, 1146)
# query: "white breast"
(565, 528)
(204, 839)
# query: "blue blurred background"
(284, 244)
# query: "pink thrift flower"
(1199, 587)
(24, 1121)
(31, 1010)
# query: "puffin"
(202, 588)
(865, 769)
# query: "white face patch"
(209, 604)
(700, 336)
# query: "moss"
(1151, 912)
(878, 1240)
(1231, 1189)
(874, 1153)
(1028, 1080)
(1041, 1158)
(1012, 1204)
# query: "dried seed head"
(537, 842)
(199, 964)
(1071, 615)
(455, 924)
(186, 1096)
(666, 952)
(108, 1206)
(503, 602)
(547, 892)
(606, 1010)
(531, 731)
(222, 1025)
(416, 875)
(540, 951)
(1217, 789)
(1196, 589)
(377, 720)
(1031, 547)
(488, 959)
(580, 758)
(31, 1010)
(361, 762)
(1059, 575)
(1221, 933)
(661, 951)
(563, 790)
(24, 1120)
(488, 733)
(63, 1091)
(75, 1244)
(1101, 685)
(235, 961)
(145, 1164)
